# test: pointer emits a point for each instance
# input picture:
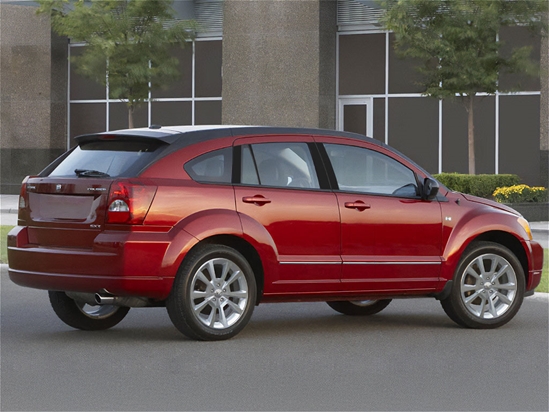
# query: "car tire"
(213, 295)
(488, 287)
(80, 315)
(359, 307)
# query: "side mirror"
(430, 189)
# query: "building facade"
(309, 63)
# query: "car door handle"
(256, 200)
(358, 205)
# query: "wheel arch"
(499, 237)
(247, 250)
(483, 224)
(510, 242)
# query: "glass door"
(356, 115)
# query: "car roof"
(178, 137)
(195, 134)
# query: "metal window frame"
(107, 101)
(340, 99)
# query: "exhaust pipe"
(129, 301)
(104, 299)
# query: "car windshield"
(106, 159)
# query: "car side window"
(278, 165)
(362, 170)
(212, 167)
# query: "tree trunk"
(471, 133)
(130, 117)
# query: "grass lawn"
(543, 286)
(3, 243)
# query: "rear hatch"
(66, 205)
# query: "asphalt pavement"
(291, 356)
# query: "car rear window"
(107, 158)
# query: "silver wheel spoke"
(501, 272)
(211, 270)
(223, 318)
(507, 286)
(487, 298)
(234, 277)
(482, 307)
(493, 265)
(96, 311)
(480, 265)
(199, 294)
(235, 307)
(504, 298)
(202, 277)
(211, 319)
(471, 298)
(240, 294)
(492, 308)
(470, 288)
(219, 307)
(225, 270)
(471, 271)
(198, 308)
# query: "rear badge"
(95, 226)
(97, 189)
(58, 188)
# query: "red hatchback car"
(211, 221)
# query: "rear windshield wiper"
(90, 173)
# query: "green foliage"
(131, 39)
(520, 194)
(477, 185)
(457, 41)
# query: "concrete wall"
(279, 62)
(33, 87)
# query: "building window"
(193, 99)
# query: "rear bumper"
(123, 263)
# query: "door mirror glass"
(430, 189)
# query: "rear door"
(281, 192)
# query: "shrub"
(477, 185)
(520, 194)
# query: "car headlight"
(526, 226)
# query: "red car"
(211, 221)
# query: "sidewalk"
(8, 209)
(9, 205)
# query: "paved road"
(297, 356)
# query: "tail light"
(129, 201)
(23, 194)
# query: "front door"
(391, 238)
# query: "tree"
(128, 43)
(457, 43)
